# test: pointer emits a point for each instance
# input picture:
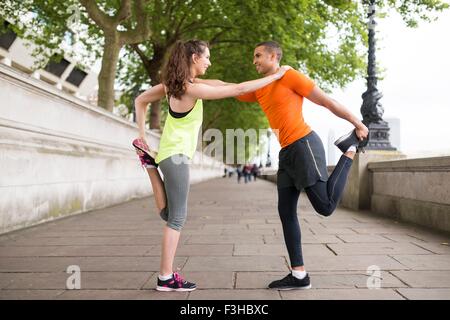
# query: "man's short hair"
(272, 46)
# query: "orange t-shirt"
(282, 102)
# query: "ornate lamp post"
(371, 109)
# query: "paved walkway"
(232, 247)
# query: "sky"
(415, 88)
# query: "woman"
(187, 61)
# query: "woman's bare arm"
(141, 102)
(208, 92)
(212, 82)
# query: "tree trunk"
(153, 68)
(155, 115)
(155, 108)
(107, 76)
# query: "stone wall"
(414, 190)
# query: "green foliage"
(47, 24)
(415, 10)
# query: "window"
(76, 77)
(57, 68)
(7, 37)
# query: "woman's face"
(201, 63)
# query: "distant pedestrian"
(254, 171)
(239, 173)
(247, 171)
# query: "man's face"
(264, 60)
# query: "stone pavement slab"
(279, 250)
(91, 241)
(121, 295)
(187, 250)
(424, 262)
(35, 294)
(235, 294)
(74, 251)
(56, 264)
(439, 248)
(352, 263)
(89, 280)
(236, 263)
(342, 294)
(363, 238)
(424, 279)
(232, 246)
(377, 248)
(229, 239)
(306, 239)
(425, 294)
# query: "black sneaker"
(175, 284)
(351, 139)
(291, 283)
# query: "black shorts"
(302, 163)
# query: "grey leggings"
(176, 183)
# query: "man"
(302, 162)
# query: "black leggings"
(324, 197)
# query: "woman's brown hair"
(177, 69)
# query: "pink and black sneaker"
(146, 155)
(175, 284)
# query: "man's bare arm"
(321, 98)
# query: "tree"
(118, 23)
(133, 16)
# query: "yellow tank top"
(180, 135)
